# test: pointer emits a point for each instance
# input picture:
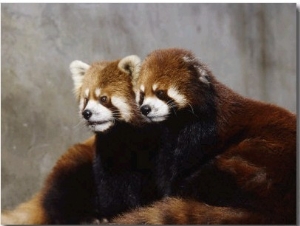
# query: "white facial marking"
(179, 99)
(154, 87)
(102, 127)
(97, 92)
(142, 88)
(86, 92)
(159, 109)
(137, 96)
(102, 117)
(123, 107)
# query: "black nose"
(86, 114)
(145, 109)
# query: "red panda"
(113, 172)
(104, 89)
(230, 159)
(121, 176)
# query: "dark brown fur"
(255, 150)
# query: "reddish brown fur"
(164, 70)
(117, 84)
(114, 84)
(76, 155)
(181, 211)
(259, 150)
(264, 163)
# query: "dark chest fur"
(187, 145)
(240, 171)
(123, 168)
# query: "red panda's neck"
(238, 116)
(232, 109)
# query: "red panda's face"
(169, 80)
(104, 91)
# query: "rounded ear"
(78, 69)
(130, 65)
(201, 69)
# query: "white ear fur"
(78, 69)
(130, 65)
(203, 75)
(201, 68)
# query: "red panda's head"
(104, 91)
(171, 80)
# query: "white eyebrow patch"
(154, 87)
(142, 88)
(137, 96)
(97, 92)
(86, 92)
(124, 108)
(174, 94)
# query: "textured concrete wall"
(250, 47)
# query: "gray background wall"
(249, 47)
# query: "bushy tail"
(181, 211)
(30, 212)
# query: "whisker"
(172, 106)
(80, 122)
(174, 110)
(192, 110)
(171, 103)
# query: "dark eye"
(160, 94)
(103, 99)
